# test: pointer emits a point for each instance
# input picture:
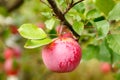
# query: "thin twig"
(77, 2)
(68, 8)
(61, 16)
(72, 2)
(71, 5)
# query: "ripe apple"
(11, 66)
(105, 67)
(62, 55)
(13, 29)
(12, 52)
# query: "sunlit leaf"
(115, 13)
(50, 23)
(102, 28)
(74, 15)
(37, 43)
(31, 31)
(78, 27)
(104, 5)
(80, 7)
(93, 14)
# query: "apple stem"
(61, 15)
(12, 77)
(60, 31)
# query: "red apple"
(12, 52)
(13, 29)
(105, 67)
(62, 55)
(11, 67)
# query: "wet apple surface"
(62, 55)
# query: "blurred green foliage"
(96, 21)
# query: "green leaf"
(93, 14)
(102, 28)
(50, 23)
(31, 31)
(74, 15)
(78, 27)
(37, 43)
(90, 52)
(115, 13)
(47, 14)
(113, 41)
(104, 53)
(104, 6)
(114, 57)
(80, 7)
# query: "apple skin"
(62, 55)
(11, 67)
(105, 67)
(12, 53)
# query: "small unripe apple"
(13, 29)
(62, 55)
(11, 67)
(12, 53)
(105, 67)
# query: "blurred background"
(14, 13)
